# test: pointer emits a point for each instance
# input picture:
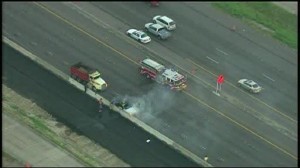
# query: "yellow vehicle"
(88, 76)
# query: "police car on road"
(138, 35)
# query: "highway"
(236, 129)
(65, 103)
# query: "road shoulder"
(26, 142)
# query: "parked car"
(138, 35)
(157, 30)
(165, 21)
(249, 85)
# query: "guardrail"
(95, 95)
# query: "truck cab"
(97, 81)
(174, 80)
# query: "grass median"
(38, 125)
(283, 25)
(11, 107)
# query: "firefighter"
(100, 105)
(123, 104)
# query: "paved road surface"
(65, 103)
(25, 145)
(205, 37)
(291, 6)
(187, 119)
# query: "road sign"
(220, 79)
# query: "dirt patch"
(291, 7)
(261, 27)
(82, 148)
(10, 161)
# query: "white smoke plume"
(152, 103)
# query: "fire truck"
(165, 76)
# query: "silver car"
(249, 85)
(157, 30)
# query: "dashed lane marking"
(123, 55)
(223, 52)
(279, 112)
(268, 77)
(212, 60)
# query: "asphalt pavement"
(206, 37)
(80, 112)
(226, 129)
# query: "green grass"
(283, 23)
(38, 124)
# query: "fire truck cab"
(159, 73)
(174, 79)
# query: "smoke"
(155, 101)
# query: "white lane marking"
(94, 19)
(222, 51)
(66, 63)
(212, 60)
(268, 77)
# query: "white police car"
(138, 35)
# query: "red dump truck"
(87, 76)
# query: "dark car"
(126, 105)
(121, 103)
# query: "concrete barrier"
(76, 84)
(152, 131)
(91, 93)
(35, 58)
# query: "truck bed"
(83, 68)
(81, 71)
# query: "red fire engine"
(155, 71)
